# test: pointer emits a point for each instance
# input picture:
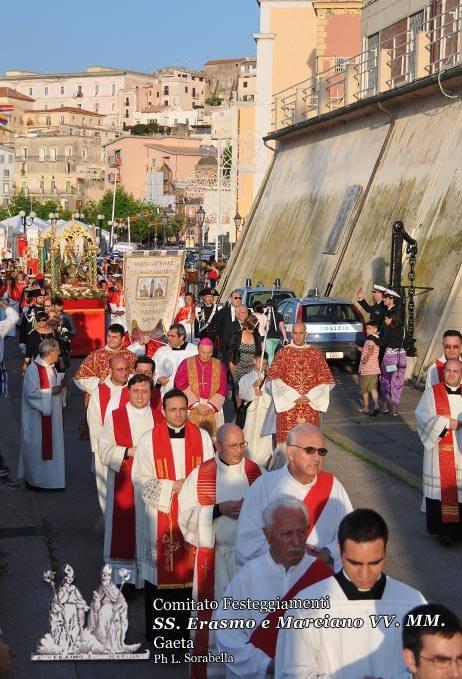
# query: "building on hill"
(14, 104)
(6, 172)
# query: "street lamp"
(53, 217)
(78, 215)
(200, 218)
(31, 216)
(237, 224)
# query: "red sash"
(317, 497)
(47, 427)
(175, 559)
(105, 397)
(446, 456)
(265, 639)
(440, 370)
(205, 561)
(123, 542)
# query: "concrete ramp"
(405, 158)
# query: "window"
(68, 187)
(6, 188)
(48, 121)
(127, 101)
(194, 92)
(186, 90)
(53, 153)
(62, 120)
(113, 89)
(42, 153)
(46, 91)
(79, 105)
(67, 168)
(96, 89)
(53, 184)
(127, 114)
(166, 102)
(84, 153)
(79, 91)
(42, 184)
(99, 122)
(68, 151)
(245, 83)
(6, 174)
(62, 89)
(24, 152)
(158, 94)
(30, 91)
(166, 91)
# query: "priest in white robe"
(6, 324)
(110, 395)
(280, 572)
(258, 402)
(41, 460)
(164, 459)
(169, 357)
(438, 419)
(303, 478)
(452, 347)
(360, 592)
(118, 446)
(209, 504)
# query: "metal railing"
(430, 44)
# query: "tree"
(141, 129)
(125, 205)
(213, 101)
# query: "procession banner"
(152, 284)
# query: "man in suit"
(226, 322)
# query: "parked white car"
(122, 247)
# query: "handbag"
(393, 367)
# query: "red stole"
(47, 425)
(440, 369)
(205, 568)
(317, 497)
(449, 498)
(265, 639)
(175, 559)
(105, 397)
(123, 542)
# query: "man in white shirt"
(358, 636)
(169, 357)
(280, 573)
(303, 478)
(432, 643)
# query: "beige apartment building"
(16, 119)
(172, 87)
(109, 91)
(61, 156)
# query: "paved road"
(42, 530)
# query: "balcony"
(429, 46)
(114, 161)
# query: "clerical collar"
(453, 390)
(181, 348)
(176, 433)
(354, 594)
(296, 346)
(223, 462)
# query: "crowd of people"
(234, 528)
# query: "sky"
(143, 35)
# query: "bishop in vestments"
(165, 457)
(204, 381)
(438, 419)
(124, 515)
(300, 384)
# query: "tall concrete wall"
(407, 168)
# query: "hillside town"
(231, 352)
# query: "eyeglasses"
(237, 297)
(310, 450)
(442, 663)
(235, 446)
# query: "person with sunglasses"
(227, 322)
(452, 348)
(432, 643)
(301, 477)
(43, 330)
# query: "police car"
(261, 294)
(334, 326)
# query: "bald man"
(438, 419)
(111, 394)
(209, 505)
(300, 382)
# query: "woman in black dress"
(34, 339)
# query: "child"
(369, 369)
